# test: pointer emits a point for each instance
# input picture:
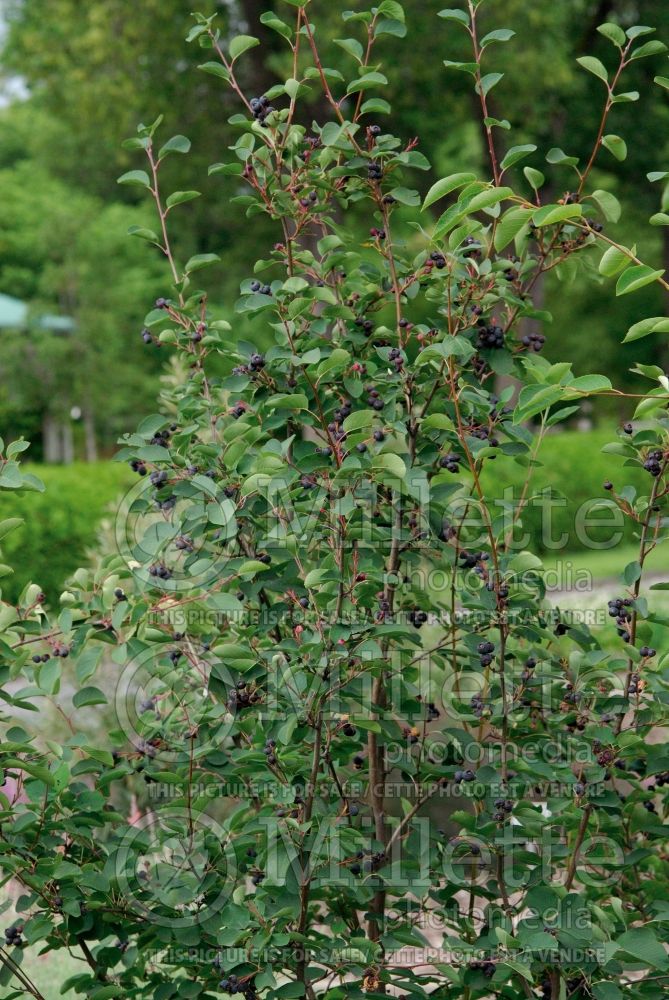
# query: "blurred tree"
(65, 251)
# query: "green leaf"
(365, 82)
(604, 990)
(464, 67)
(405, 196)
(270, 19)
(199, 261)
(659, 219)
(510, 225)
(338, 359)
(89, 696)
(450, 14)
(391, 9)
(359, 419)
(488, 81)
(485, 199)
(216, 69)
(252, 566)
(616, 146)
(517, 153)
(649, 49)
(608, 203)
(643, 946)
(139, 177)
(389, 462)
(289, 401)
(179, 197)
(662, 81)
(549, 215)
(557, 155)
(594, 65)
(588, 383)
(636, 277)
(195, 32)
(613, 261)
(241, 44)
(499, 35)
(295, 285)
(376, 106)
(534, 177)
(9, 524)
(144, 234)
(534, 399)
(628, 97)
(639, 29)
(177, 144)
(352, 46)
(447, 184)
(655, 324)
(613, 32)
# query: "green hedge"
(573, 465)
(60, 526)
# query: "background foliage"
(90, 77)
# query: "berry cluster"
(472, 247)
(503, 808)
(162, 437)
(619, 609)
(161, 571)
(257, 286)
(260, 108)
(654, 461)
(477, 705)
(395, 356)
(241, 696)
(13, 935)
(231, 984)
(485, 651)
(309, 200)
(417, 617)
(530, 664)
(486, 966)
(365, 323)
(158, 478)
(451, 462)
(371, 862)
(489, 337)
(535, 341)
(58, 650)
(472, 560)
(374, 398)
